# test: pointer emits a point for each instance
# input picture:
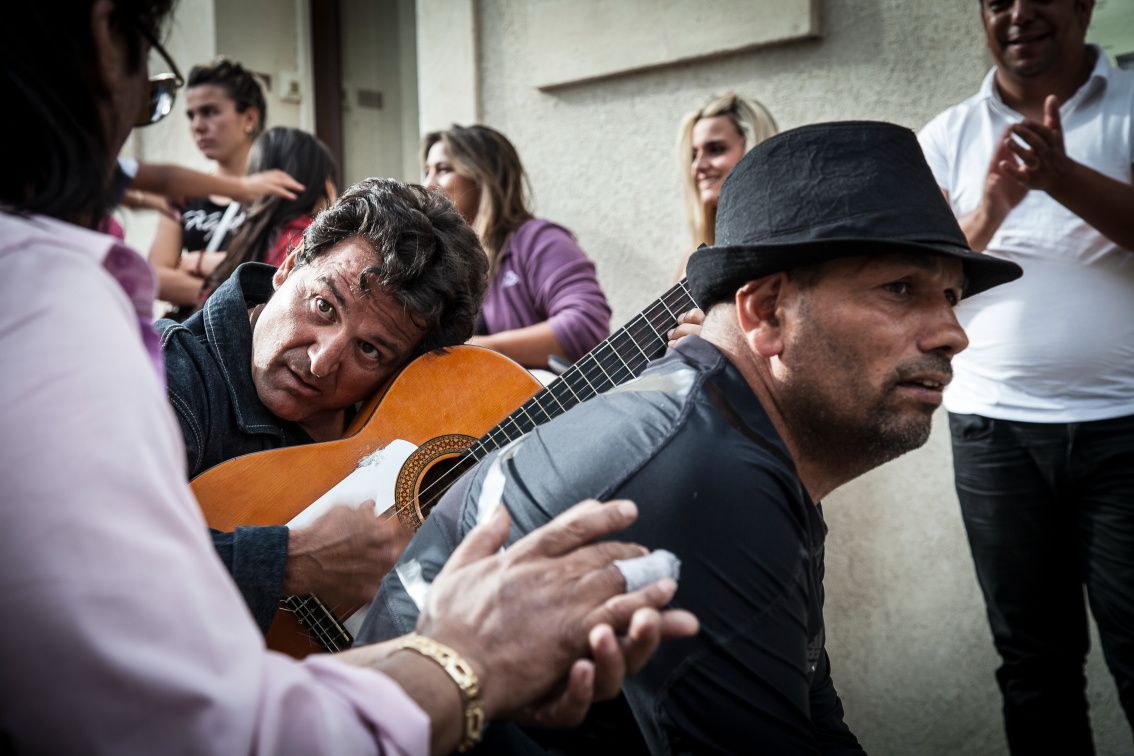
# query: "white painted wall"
(378, 39)
(447, 63)
(911, 651)
(264, 36)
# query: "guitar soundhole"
(438, 479)
(427, 475)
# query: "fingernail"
(627, 508)
(666, 587)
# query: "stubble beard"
(849, 443)
(833, 423)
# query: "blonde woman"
(543, 296)
(712, 139)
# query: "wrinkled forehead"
(349, 265)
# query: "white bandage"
(641, 571)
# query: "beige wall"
(378, 40)
(267, 36)
(447, 63)
(911, 651)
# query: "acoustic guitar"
(440, 415)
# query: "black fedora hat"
(832, 190)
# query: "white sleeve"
(934, 140)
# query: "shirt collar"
(1096, 81)
(228, 330)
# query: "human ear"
(285, 269)
(757, 305)
(249, 118)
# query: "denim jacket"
(208, 361)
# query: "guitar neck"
(622, 356)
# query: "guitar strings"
(641, 325)
(615, 366)
(682, 304)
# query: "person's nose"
(943, 333)
(700, 162)
(197, 124)
(1022, 12)
(430, 181)
(326, 354)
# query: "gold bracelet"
(462, 673)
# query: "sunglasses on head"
(163, 88)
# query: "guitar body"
(441, 403)
(444, 411)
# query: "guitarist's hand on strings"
(343, 555)
(688, 324)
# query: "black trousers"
(1049, 510)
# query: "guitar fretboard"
(622, 356)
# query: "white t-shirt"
(1057, 345)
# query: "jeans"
(1049, 510)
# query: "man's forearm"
(979, 227)
(1106, 204)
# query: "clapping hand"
(1043, 162)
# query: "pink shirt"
(121, 631)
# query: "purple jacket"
(542, 274)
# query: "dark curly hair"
(427, 257)
(238, 83)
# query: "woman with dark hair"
(274, 225)
(543, 298)
(226, 110)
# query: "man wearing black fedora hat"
(827, 341)
(1037, 166)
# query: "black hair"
(427, 257)
(305, 159)
(238, 83)
(58, 161)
